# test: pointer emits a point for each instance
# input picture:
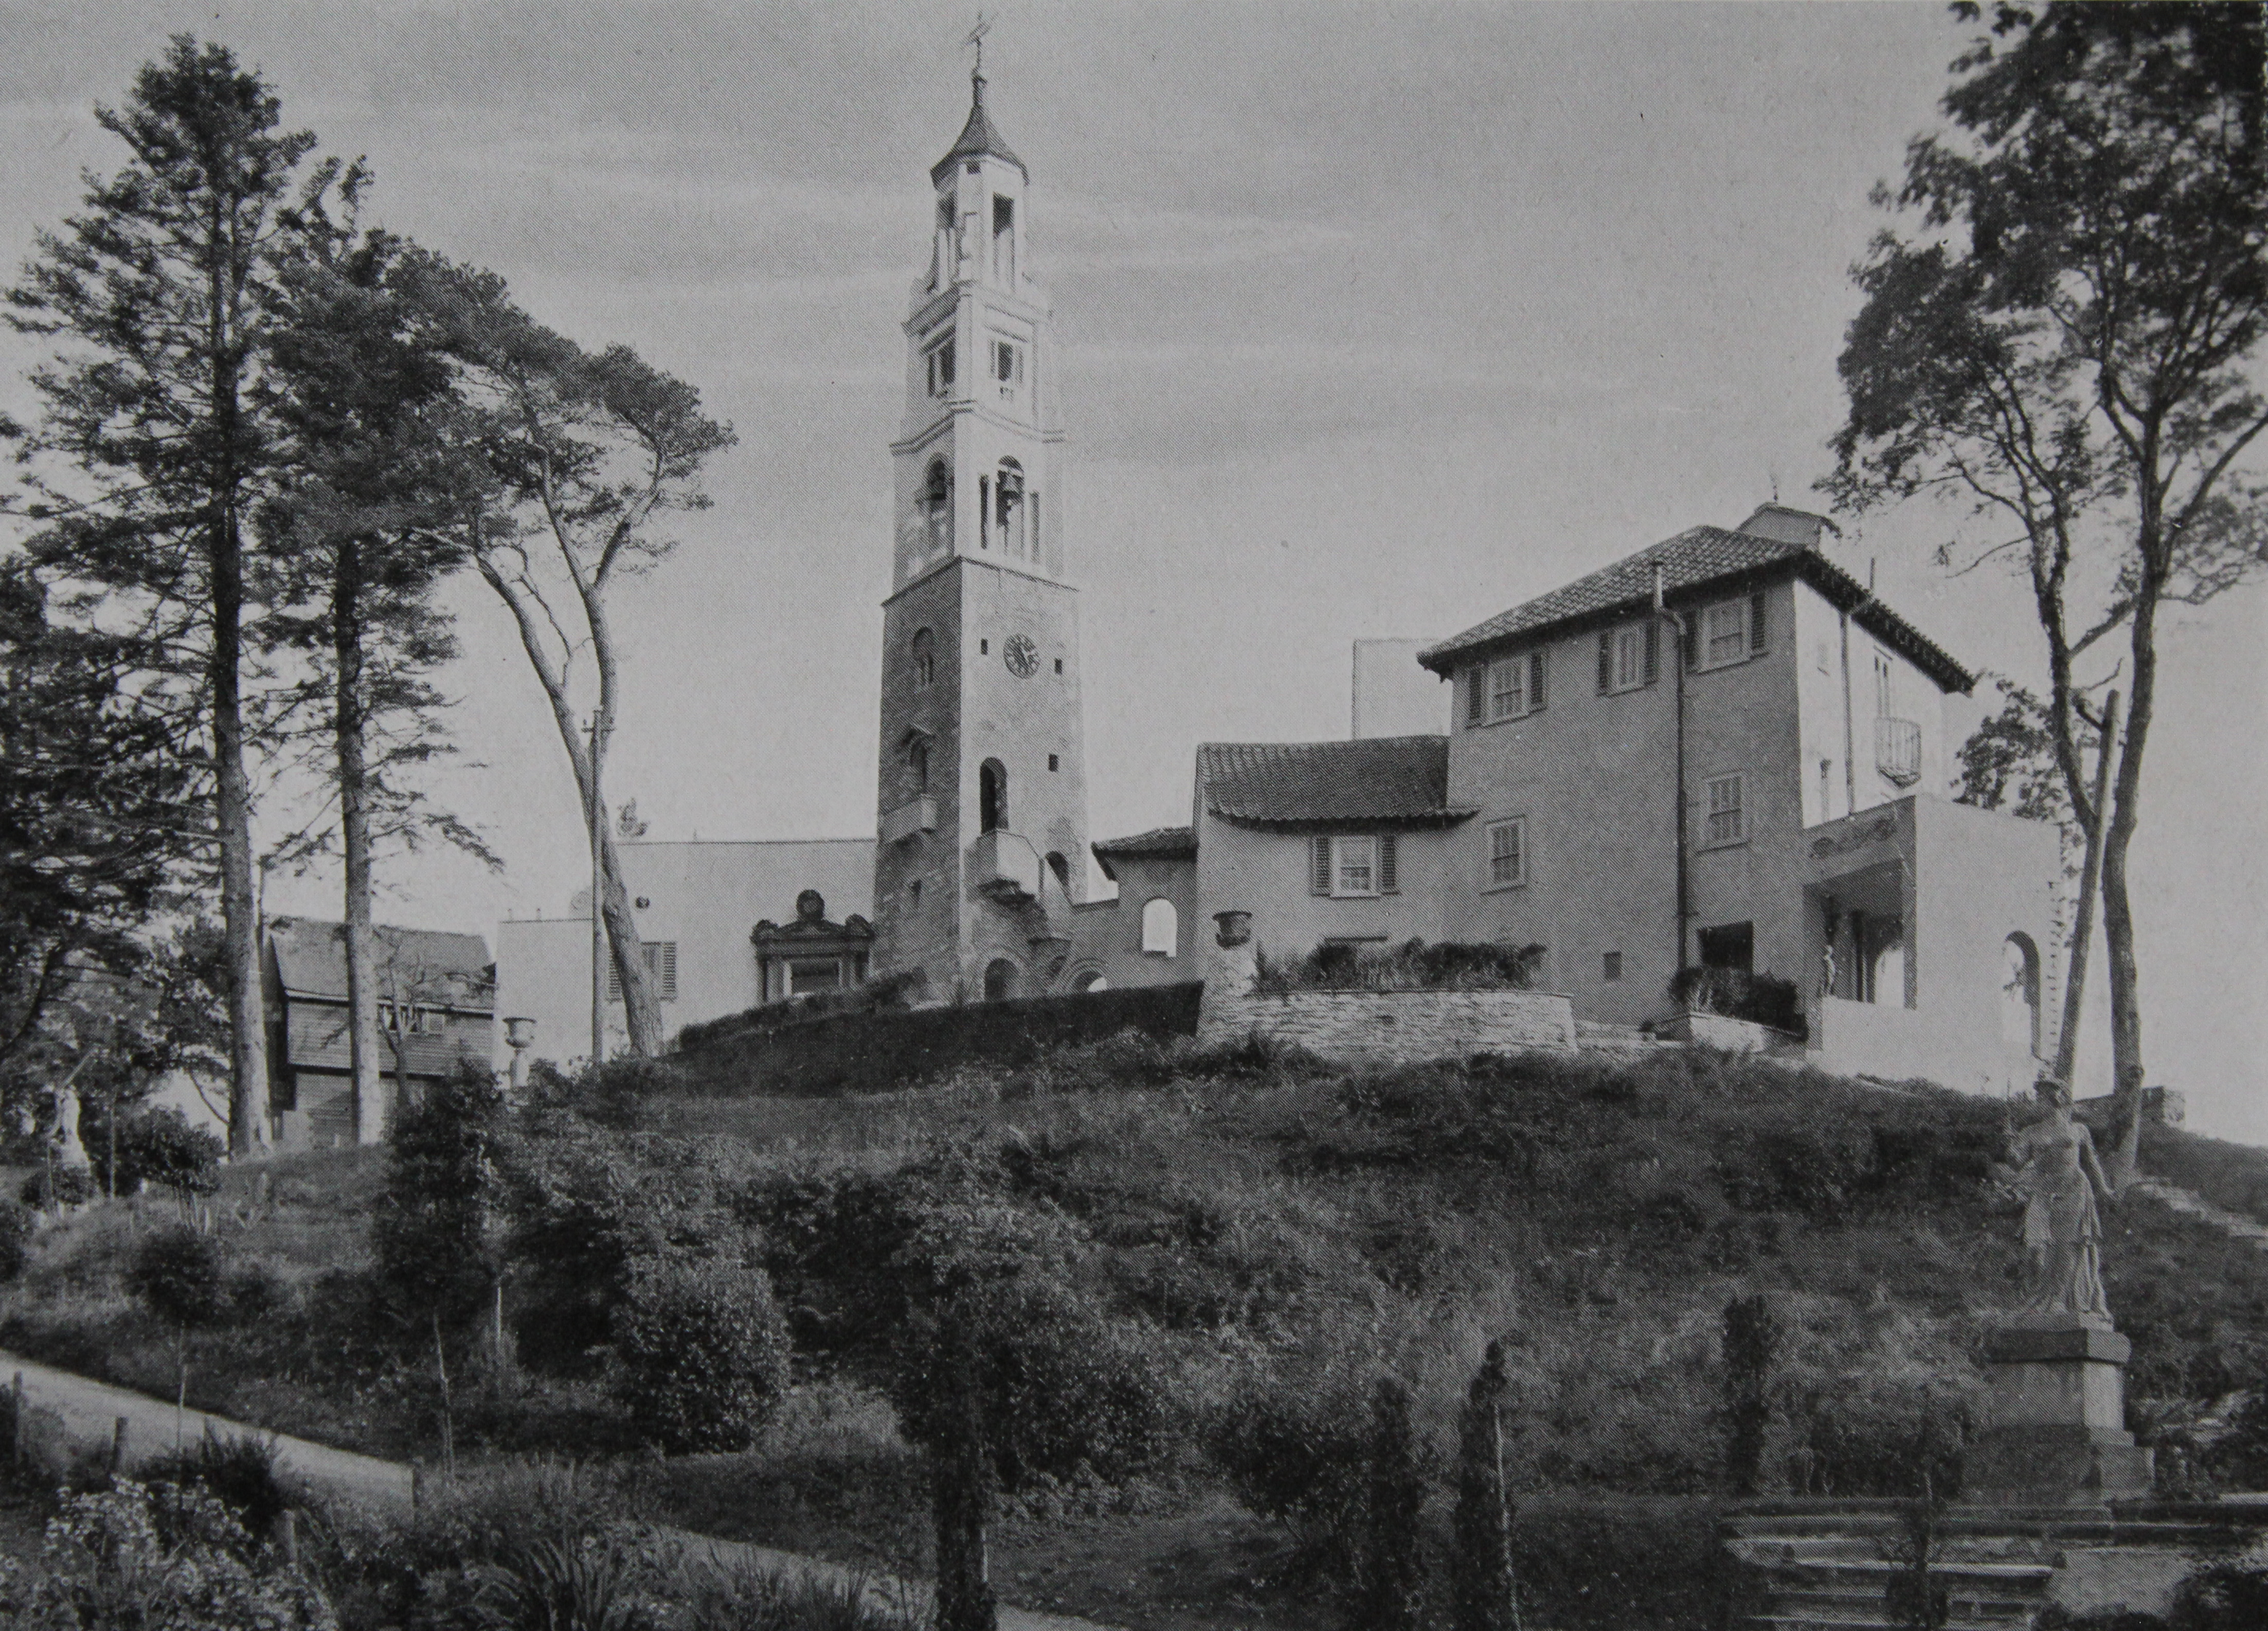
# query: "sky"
(1372, 320)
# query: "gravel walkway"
(90, 1411)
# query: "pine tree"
(153, 448)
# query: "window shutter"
(1319, 880)
(1388, 883)
(1694, 635)
(1476, 699)
(1756, 621)
(1536, 666)
(1652, 649)
(669, 971)
(1606, 661)
(613, 980)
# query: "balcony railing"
(1898, 751)
(915, 815)
(1006, 865)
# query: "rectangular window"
(1611, 966)
(1508, 688)
(1477, 684)
(1507, 852)
(940, 370)
(1884, 695)
(1008, 362)
(1354, 866)
(660, 959)
(1724, 634)
(1630, 657)
(1727, 821)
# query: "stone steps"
(2187, 1203)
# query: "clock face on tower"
(1021, 655)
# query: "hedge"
(876, 1051)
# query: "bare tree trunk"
(348, 719)
(2124, 817)
(2082, 929)
(639, 1003)
(248, 1018)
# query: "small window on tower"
(940, 369)
(1007, 362)
(1053, 763)
(924, 654)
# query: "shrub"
(135, 1556)
(241, 1472)
(159, 1147)
(749, 1596)
(1736, 994)
(701, 1354)
(892, 991)
(1064, 1388)
(1393, 1549)
(1298, 1454)
(585, 1204)
(14, 1240)
(1414, 965)
(433, 1237)
(58, 1185)
(2229, 1595)
(177, 1273)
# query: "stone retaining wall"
(1394, 1027)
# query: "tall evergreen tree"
(359, 525)
(1486, 1597)
(152, 449)
(98, 828)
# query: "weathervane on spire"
(976, 38)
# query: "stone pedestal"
(2058, 1434)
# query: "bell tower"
(982, 775)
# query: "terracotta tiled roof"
(1696, 557)
(978, 138)
(1399, 779)
(1159, 844)
(432, 966)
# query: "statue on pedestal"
(2057, 1368)
(2054, 1167)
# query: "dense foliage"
(701, 1354)
(1413, 966)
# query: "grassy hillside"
(1233, 1246)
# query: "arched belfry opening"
(937, 506)
(2019, 993)
(1008, 503)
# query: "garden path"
(89, 1411)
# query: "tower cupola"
(978, 138)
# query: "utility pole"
(598, 814)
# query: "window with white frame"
(940, 359)
(1724, 634)
(1508, 688)
(1508, 852)
(1349, 865)
(1629, 656)
(1354, 866)
(1726, 818)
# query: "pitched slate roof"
(1398, 779)
(978, 138)
(433, 965)
(1695, 558)
(1159, 844)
